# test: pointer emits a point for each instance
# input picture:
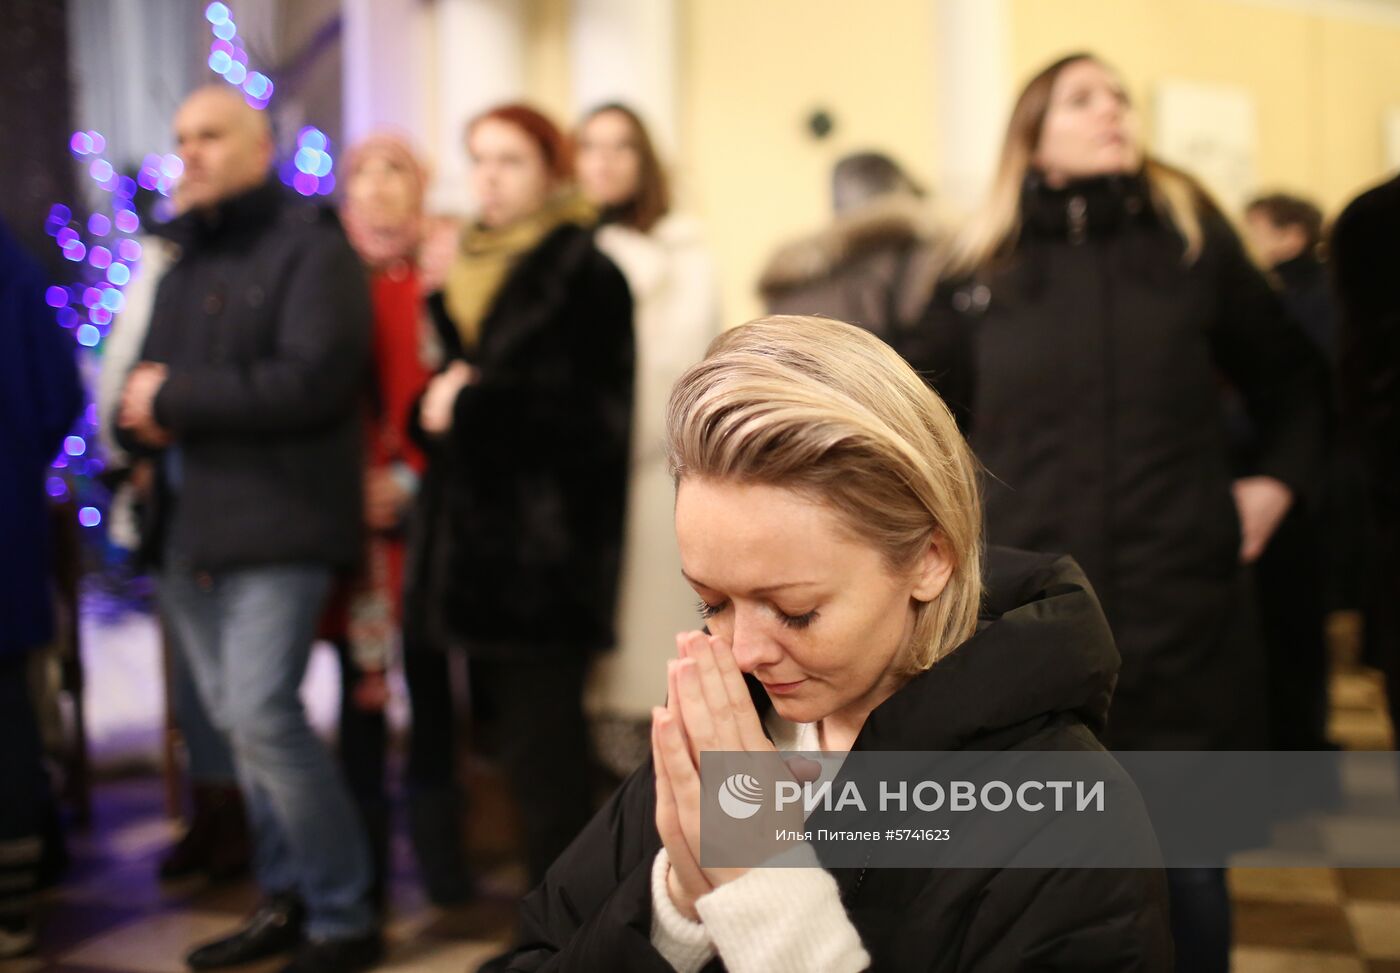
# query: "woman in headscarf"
(383, 216)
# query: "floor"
(113, 916)
(1325, 920)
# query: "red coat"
(400, 374)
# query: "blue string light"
(229, 60)
(311, 169)
(107, 255)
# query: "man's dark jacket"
(264, 323)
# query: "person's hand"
(1262, 502)
(386, 499)
(440, 398)
(708, 707)
(678, 817)
(143, 479)
(712, 699)
(137, 410)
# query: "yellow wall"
(547, 58)
(1360, 80)
(752, 71)
(1319, 83)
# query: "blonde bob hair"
(827, 409)
(993, 230)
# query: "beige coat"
(677, 314)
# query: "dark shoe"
(16, 934)
(435, 828)
(217, 840)
(274, 928)
(337, 955)
(231, 852)
(190, 855)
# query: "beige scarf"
(487, 256)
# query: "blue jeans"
(210, 758)
(247, 636)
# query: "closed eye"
(708, 610)
(798, 621)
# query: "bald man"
(248, 396)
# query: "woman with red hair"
(518, 536)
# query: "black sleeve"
(939, 347)
(593, 910)
(1076, 920)
(316, 370)
(1365, 248)
(579, 407)
(1267, 357)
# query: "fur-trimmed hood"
(894, 221)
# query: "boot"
(435, 827)
(190, 855)
(216, 842)
(232, 849)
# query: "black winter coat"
(1087, 373)
(518, 539)
(40, 397)
(1365, 255)
(264, 322)
(1307, 295)
(1037, 675)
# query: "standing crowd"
(521, 446)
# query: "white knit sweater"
(772, 920)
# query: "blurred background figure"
(246, 398)
(676, 300)
(40, 397)
(383, 216)
(517, 541)
(1286, 233)
(1365, 253)
(873, 265)
(215, 842)
(1310, 566)
(1079, 325)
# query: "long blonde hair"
(826, 408)
(992, 232)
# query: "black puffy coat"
(264, 323)
(1087, 374)
(518, 537)
(1365, 253)
(1037, 675)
